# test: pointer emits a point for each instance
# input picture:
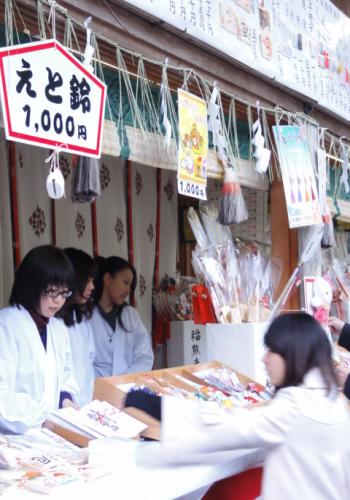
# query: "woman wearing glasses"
(122, 342)
(76, 314)
(35, 356)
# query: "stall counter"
(130, 481)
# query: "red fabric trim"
(243, 486)
(129, 220)
(161, 331)
(94, 229)
(14, 205)
(53, 218)
(157, 249)
(53, 223)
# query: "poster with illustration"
(193, 145)
(297, 176)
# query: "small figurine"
(321, 303)
(321, 300)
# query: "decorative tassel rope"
(99, 69)
(9, 22)
(137, 117)
(166, 98)
(11, 25)
(164, 105)
(52, 18)
(231, 161)
(144, 95)
(232, 125)
(70, 36)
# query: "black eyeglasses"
(53, 294)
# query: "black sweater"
(344, 341)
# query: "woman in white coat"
(35, 356)
(76, 314)
(304, 430)
(122, 343)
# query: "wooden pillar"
(14, 204)
(284, 242)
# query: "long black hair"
(112, 266)
(85, 268)
(303, 344)
(43, 266)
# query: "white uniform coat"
(304, 433)
(83, 354)
(128, 352)
(31, 378)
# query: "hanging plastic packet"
(55, 179)
(217, 233)
(89, 49)
(197, 228)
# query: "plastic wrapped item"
(309, 247)
(172, 301)
(251, 272)
(197, 228)
(270, 281)
(259, 275)
(216, 233)
(233, 209)
(217, 266)
(309, 239)
(336, 271)
(328, 239)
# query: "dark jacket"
(344, 341)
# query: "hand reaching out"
(335, 324)
(342, 372)
(67, 402)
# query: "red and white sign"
(50, 99)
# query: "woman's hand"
(68, 403)
(342, 372)
(48, 425)
(335, 324)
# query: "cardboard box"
(187, 343)
(238, 345)
(71, 436)
(114, 389)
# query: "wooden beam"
(284, 242)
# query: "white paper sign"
(302, 44)
(49, 99)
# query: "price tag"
(190, 188)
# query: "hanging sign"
(302, 44)
(193, 145)
(297, 176)
(49, 99)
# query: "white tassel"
(164, 106)
(261, 154)
(89, 49)
(344, 179)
